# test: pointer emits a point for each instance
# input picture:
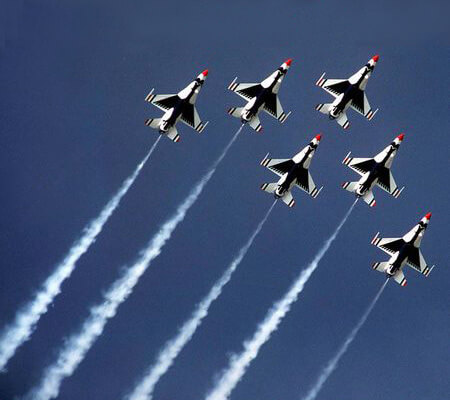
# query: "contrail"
(171, 350)
(77, 345)
(26, 319)
(239, 363)
(333, 363)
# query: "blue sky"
(73, 82)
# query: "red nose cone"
(288, 62)
(401, 136)
(205, 72)
(318, 137)
(428, 216)
(375, 57)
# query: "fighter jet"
(292, 172)
(260, 96)
(180, 106)
(348, 93)
(374, 171)
(404, 250)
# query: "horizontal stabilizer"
(324, 108)
(153, 122)
(235, 111)
(380, 266)
(288, 199)
(399, 277)
(255, 124)
(173, 135)
(350, 186)
(343, 121)
(369, 199)
(269, 187)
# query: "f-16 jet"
(260, 96)
(374, 172)
(180, 106)
(292, 172)
(348, 93)
(403, 251)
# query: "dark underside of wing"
(270, 104)
(393, 246)
(188, 114)
(168, 102)
(364, 166)
(358, 100)
(251, 91)
(338, 88)
(283, 167)
(384, 179)
(414, 259)
(303, 179)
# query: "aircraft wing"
(273, 107)
(388, 245)
(305, 182)
(359, 165)
(191, 118)
(387, 183)
(333, 86)
(162, 101)
(245, 90)
(361, 105)
(417, 262)
(278, 166)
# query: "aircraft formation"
(292, 173)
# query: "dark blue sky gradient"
(73, 78)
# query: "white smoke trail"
(333, 363)
(77, 345)
(167, 355)
(26, 319)
(239, 363)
